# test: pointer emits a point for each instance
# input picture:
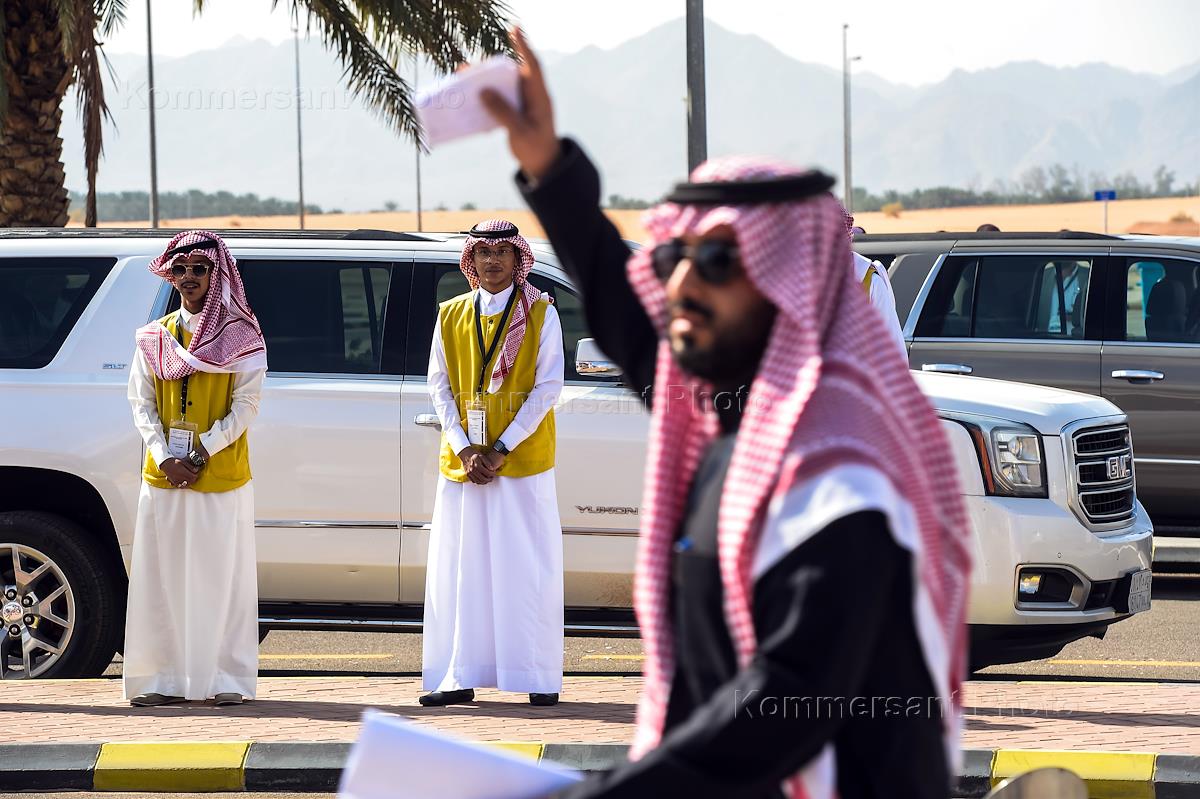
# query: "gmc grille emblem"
(1118, 467)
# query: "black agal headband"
(504, 233)
(203, 244)
(755, 191)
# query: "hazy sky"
(906, 41)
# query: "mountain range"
(226, 120)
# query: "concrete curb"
(311, 767)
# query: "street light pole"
(697, 124)
(299, 137)
(847, 184)
(153, 132)
(417, 147)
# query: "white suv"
(344, 454)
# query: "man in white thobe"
(873, 277)
(191, 630)
(494, 581)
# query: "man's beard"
(733, 359)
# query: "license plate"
(1139, 591)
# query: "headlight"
(1010, 455)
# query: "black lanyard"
(183, 388)
(487, 355)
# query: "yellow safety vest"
(456, 325)
(209, 399)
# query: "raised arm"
(563, 189)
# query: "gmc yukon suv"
(1117, 317)
(344, 454)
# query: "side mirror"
(589, 360)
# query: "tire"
(94, 588)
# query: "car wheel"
(61, 602)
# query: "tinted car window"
(320, 317)
(1008, 297)
(1162, 301)
(947, 310)
(40, 301)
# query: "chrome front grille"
(1103, 475)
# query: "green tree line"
(135, 205)
(1054, 184)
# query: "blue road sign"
(1109, 194)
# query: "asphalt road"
(1161, 644)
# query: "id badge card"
(181, 438)
(477, 422)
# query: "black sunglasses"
(199, 270)
(716, 262)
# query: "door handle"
(947, 368)
(428, 420)
(1138, 375)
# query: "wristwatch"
(499, 447)
(196, 459)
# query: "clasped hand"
(481, 464)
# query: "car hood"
(1047, 410)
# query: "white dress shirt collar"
(494, 303)
(187, 318)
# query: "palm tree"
(48, 46)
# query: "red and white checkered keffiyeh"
(820, 400)
(227, 337)
(528, 293)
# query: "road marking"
(326, 657)
(1180, 664)
(613, 657)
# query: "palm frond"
(448, 32)
(79, 24)
(369, 73)
(111, 14)
(373, 36)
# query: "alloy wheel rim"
(37, 607)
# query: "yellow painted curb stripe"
(374, 656)
(175, 767)
(1179, 664)
(530, 750)
(1110, 775)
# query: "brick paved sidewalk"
(1163, 718)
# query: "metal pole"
(697, 124)
(846, 180)
(417, 149)
(153, 132)
(299, 137)
(1106, 217)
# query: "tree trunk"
(32, 179)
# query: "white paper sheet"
(396, 759)
(452, 109)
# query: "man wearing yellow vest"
(494, 583)
(191, 630)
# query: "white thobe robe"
(882, 298)
(494, 579)
(191, 627)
